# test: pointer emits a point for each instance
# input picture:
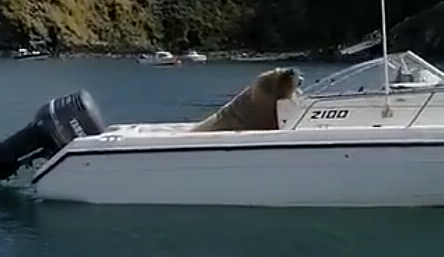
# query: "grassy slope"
(128, 25)
(119, 24)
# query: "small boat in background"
(25, 54)
(255, 57)
(244, 57)
(161, 58)
(195, 57)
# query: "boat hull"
(32, 57)
(153, 62)
(199, 59)
(354, 176)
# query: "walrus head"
(276, 84)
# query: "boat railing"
(341, 76)
(425, 64)
(395, 89)
(408, 61)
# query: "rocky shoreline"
(212, 55)
(233, 55)
(81, 28)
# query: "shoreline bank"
(231, 55)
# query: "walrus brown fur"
(255, 107)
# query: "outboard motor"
(56, 124)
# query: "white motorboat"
(344, 142)
(370, 135)
(25, 54)
(244, 57)
(161, 58)
(193, 56)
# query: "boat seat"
(402, 77)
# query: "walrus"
(255, 107)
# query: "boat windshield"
(406, 70)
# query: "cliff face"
(75, 23)
(116, 25)
(132, 25)
(423, 32)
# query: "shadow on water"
(30, 228)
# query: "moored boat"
(193, 56)
(161, 58)
(25, 54)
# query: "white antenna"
(385, 50)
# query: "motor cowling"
(55, 125)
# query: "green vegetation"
(133, 25)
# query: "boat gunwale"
(239, 147)
(393, 92)
(401, 142)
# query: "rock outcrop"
(114, 25)
(423, 32)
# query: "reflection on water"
(61, 229)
